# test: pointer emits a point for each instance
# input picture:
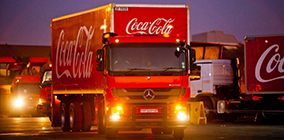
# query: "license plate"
(149, 111)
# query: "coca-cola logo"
(275, 63)
(158, 26)
(74, 57)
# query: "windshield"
(27, 89)
(147, 58)
(46, 76)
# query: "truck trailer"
(217, 82)
(264, 90)
(122, 67)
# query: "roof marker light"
(177, 40)
(166, 35)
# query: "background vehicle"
(141, 76)
(264, 93)
(24, 89)
(217, 82)
(44, 105)
(214, 80)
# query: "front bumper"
(44, 108)
(134, 118)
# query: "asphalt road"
(38, 128)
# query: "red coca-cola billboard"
(152, 20)
(264, 64)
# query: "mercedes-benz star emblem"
(148, 94)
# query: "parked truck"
(25, 87)
(217, 82)
(122, 67)
(211, 81)
(264, 91)
(44, 104)
(24, 95)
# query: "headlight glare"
(181, 113)
(116, 112)
(18, 102)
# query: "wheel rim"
(71, 117)
(206, 110)
(62, 117)
(267, 115)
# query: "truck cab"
(24, 95)
(25, 88)
(209, 74)
(147, 83)
(211, 81)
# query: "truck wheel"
(178, 133)
(207, 109)
(101, 118)
(64, 117)
(156, 130)
(87, 116)
(75, 116)
(111, 133)
(268, 117)
(168, 131)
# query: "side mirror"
(192, 59)
(177, 52)
(180, 49)
(100, 60)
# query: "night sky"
(27, 22)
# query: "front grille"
(143, 89)
(141, 97)
(136, 95)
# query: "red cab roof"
(144, 39)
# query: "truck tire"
(168, 131)
(101, 118)
(111, 133)
(268, 117)
(75, 116)
(178, 133)
(64, 116)
(156, 130)
(87, 116)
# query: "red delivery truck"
(25, 87)
(44, 105)
(264, 67)
(122, 66)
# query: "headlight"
(40, 101)
(221, 106)
(18, 102)
(116, 112)
(181, 113)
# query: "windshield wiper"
(169, 68)
(166, 69)
(134, 69)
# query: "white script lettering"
(158, 26)
(72, 54)
(270, 67)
